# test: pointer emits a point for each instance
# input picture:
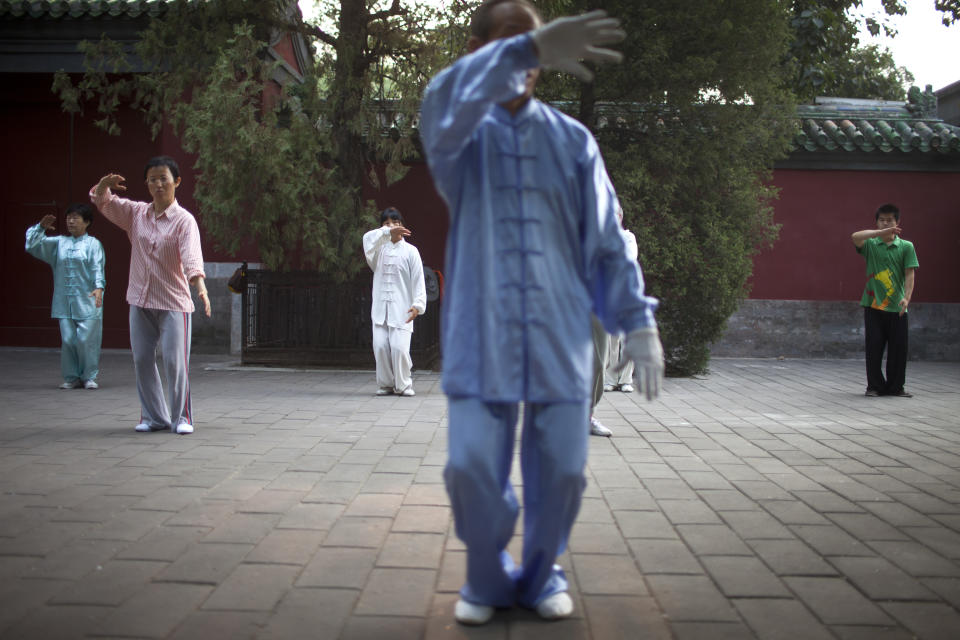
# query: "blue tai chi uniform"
(77, 270)
(534, 246)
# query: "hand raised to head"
(398, 232)
(112, 181)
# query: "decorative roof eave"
(875, 134)
(868, 126)
(81, 8)
(41, 36)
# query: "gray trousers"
(171, 331)
(600, 339)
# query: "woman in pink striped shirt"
(165, 259)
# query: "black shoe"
(901, 394)
(872, 393)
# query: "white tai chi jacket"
(398, 282)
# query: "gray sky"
(923, 45)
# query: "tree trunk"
(350, 71)
(588, 101)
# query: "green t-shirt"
(886, 266)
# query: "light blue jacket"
(534, 244)
(77, 270)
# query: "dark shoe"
(901, 394)
(143, 427)
(872, 393)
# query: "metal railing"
(305, 320)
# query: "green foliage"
(826, 58)
(257, 179)
(290, 172)
(690, 125)
(950, 10)
(856, 76)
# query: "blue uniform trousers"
(80, 351)
(552, 458)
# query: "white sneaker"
(626, 388)
(556, 607)
(384, 391)
(608, 387)
(597, 429)
(184, 428)
(469, 613)
(91, 384)
(408, 392)
(71, 385)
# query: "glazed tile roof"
(837, 124)
(80, 8)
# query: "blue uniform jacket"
(77, 270)
(534, 244)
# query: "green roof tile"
(875, 126)
(76, 9)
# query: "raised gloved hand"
(562, 43)
(643, 347)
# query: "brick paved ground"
(769, 499)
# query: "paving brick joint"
(768, 499)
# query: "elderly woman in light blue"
(78, 280)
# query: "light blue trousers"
(553, 455)
(80, 351)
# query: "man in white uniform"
(618, 374)
(399, 296)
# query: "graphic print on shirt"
(885, 278)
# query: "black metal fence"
(304, 319)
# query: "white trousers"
(614, 357)
(391, 348)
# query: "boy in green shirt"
(891, 273)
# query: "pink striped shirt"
(165, 251)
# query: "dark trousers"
(885, 330)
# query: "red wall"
(36, 169)
(814, 259)
(423, 210)
(285, 48)
(37, 181)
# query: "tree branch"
(317, 32)
(301, 27)
(394, 10)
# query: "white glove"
(563, 42)
(644, 348)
